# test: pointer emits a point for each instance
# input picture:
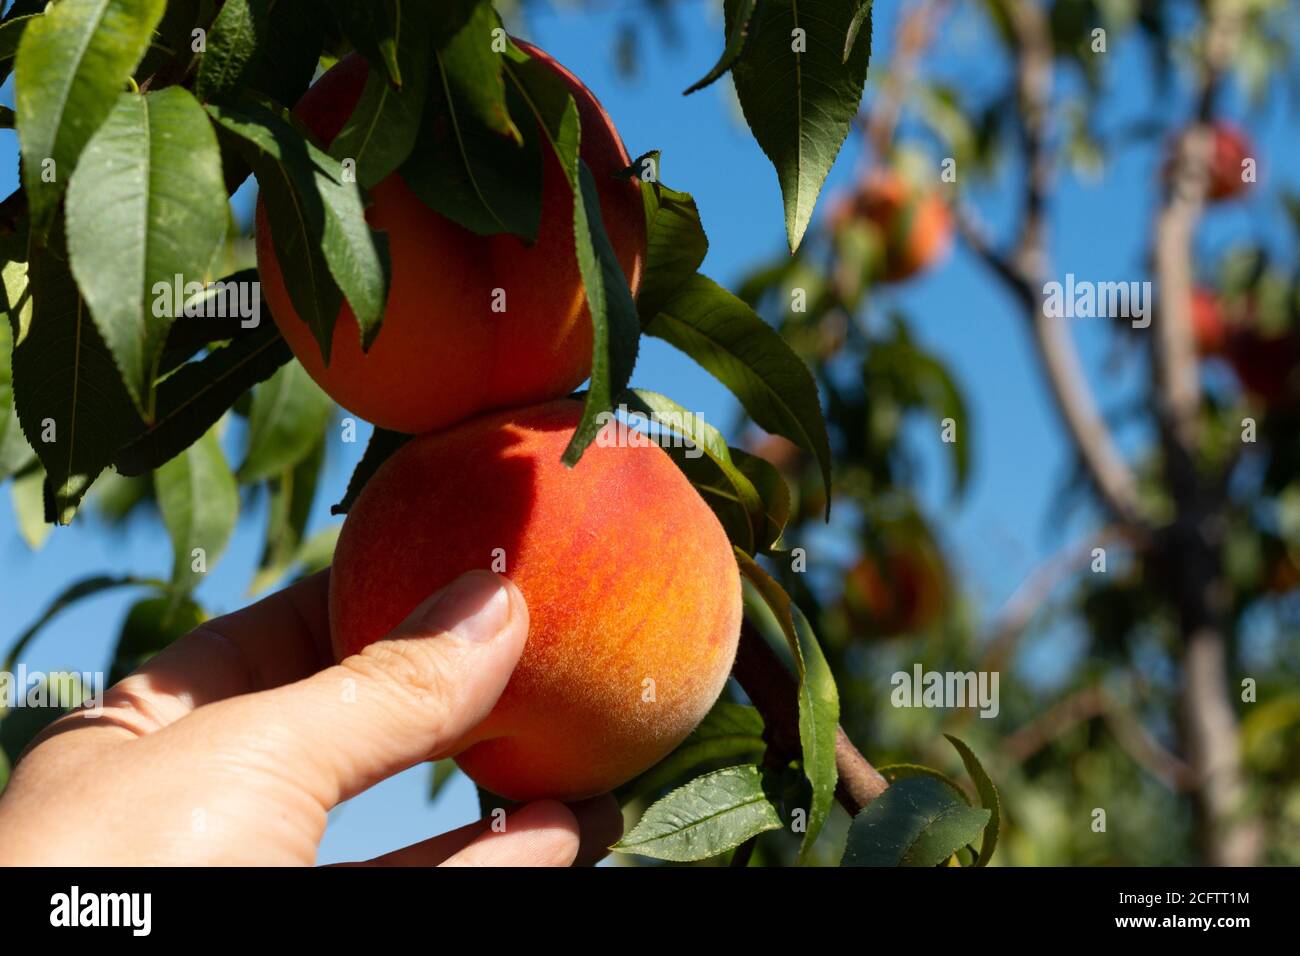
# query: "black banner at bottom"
(332, 905)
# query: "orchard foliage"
(135, 333)
(1128, 725)
(101, 395)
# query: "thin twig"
(915, 30)
(1034, 591)
(1091, 703)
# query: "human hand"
(231, 746)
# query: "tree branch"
(915, 30)
(1024, 270)
(1090, 703)
(1034, 591)
(1228, 835)
(775, 692)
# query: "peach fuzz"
(633, 592)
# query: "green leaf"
(118, 497)
(616, 328)
(915, 822)
(15, 453)
(473, 71)
(233, 45)
(147, 204)
(730, 340)
(220, 312)
(613, 315)
(86, 587)
(727, 491)
(918, 379)
(172, 45)
(773, 495)
(819, 700)
(199, 502)
(799, 95)
(707, 817)
(476, 178)
(470, 162)
(289, 52)
(193, 399)
(861, 16)
(706, 460)
(24, 8)
(73, 61)
(450, 17)
(738, 20)
(11, 31)
(68, 392)
(819, 718)
(28, 495)
(16, 285)
(288, 419)
(749, 497)
(728, 733)
(383, 444)
(675, 243)
(317, 552)
(384, 126)
(322, 240)
(900, 771)
(152, 624)
(989, 798)
(280, 156)
(443, 771)
(292, 494)
(373, 29)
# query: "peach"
(900, 592)
(1231, 148)
(1209, 328)
(443, 354)
(913, 225)
(633, 593)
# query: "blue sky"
(1009, 519)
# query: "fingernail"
(474, 608)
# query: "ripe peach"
(1228, 149)
(1231, 148)
(913, 225)
(899, 592)
(632, 588)
(443, 354)
(1208, 326)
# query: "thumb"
(401, 701)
